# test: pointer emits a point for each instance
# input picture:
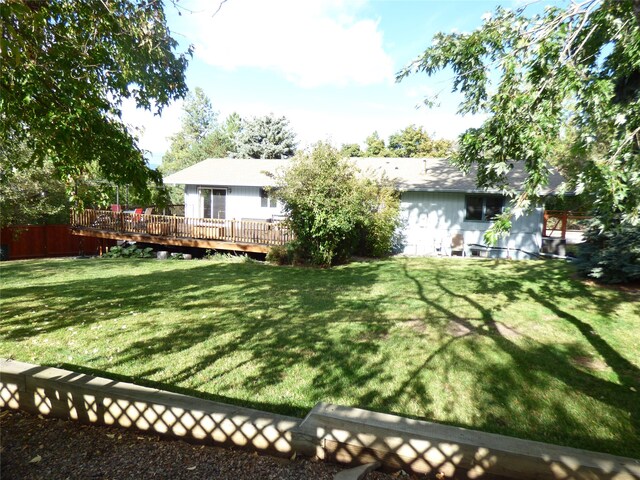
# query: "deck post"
(565, 218)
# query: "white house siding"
(241, 202)
(430, 219)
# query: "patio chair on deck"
(135, 220)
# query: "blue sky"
(328, 66)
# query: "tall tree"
(66, 67)
(351, 150)
(265, 137)
(199, 137)
(376, 146)
(225, 135)
(567, 79)
(199, 118)
(415, 142)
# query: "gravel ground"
(33, 447)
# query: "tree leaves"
(29, 194)
(201, 136)
(561, 89)
(265, 137)
(70, 66)
(410, 142)
(335, 210)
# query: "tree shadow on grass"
(281, 339)
(247, 327)
(534, 375)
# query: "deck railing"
(233, 231)
(559, 222)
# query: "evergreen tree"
(265, 137)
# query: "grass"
(518, 348)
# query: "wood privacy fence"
(234, 231)
(39, 241)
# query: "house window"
(267, 200)
(212, 202)
(483, 208)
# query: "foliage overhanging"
(564, 84)
(65, 69)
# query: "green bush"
(380, 218)
(129, 251)
(226, 257)
(334, 210)
(280, 254)
(612, 256)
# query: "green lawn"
(519, 348)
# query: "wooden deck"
(219, 234)
(566, 225)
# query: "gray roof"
(235, 172)
(409, 174)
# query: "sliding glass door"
(213, 202)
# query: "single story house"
(441, 207)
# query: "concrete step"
(331, 432)
(86, 398)
(355, 436)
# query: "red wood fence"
(38, 241)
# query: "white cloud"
(311, 43)
(153, 130)
(356, 127)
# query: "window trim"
(267, 200)
(200, 204)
